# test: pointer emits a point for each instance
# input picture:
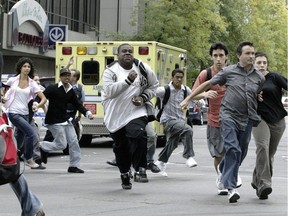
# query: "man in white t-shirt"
(126, 90)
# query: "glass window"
(80, 15)
(109, 60)
(90, 72)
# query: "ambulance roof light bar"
(66, 50)
(143, 50)
(81, 50)
(91, 50)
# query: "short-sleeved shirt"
(214, 104)
(240, 101)
(172, 109)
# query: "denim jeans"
(30, 204)
(64, 134)
(25, 134)
(236, 146)
(151, 142)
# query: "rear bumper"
(94, 127)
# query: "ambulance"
(91, 59)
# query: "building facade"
(31, 27)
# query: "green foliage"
(185, 24)
(263, 24)
(194, 25)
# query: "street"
(186, 191)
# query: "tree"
(263, 24)
(185, 24)
(193, 25)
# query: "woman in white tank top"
(23, 89)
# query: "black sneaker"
(141, 175)
(112, 162)
(75, 170)
(151, 166)
(44, 156)
(263, 192)
(126, 184)
(233, 195)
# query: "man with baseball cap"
(64, 71)
(59, 122)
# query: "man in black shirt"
(59, 122)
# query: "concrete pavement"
(186, 191)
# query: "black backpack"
(160, 105)
(208, 77)
(209, 74)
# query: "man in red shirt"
(219, 56)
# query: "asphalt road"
(186, 191)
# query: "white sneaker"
(219, 184)
(223, 192)
(191, 162)
(239, 181)
(31, 163)
(163, 173)
(162, 166)
(233, 195)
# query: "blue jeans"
(64, 134)
(30, 204)
(25, 133)
(236, 146)
(151, 142)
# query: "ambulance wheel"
(85, 140)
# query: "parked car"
(198, 115)
(39, 118)
(285, 103)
